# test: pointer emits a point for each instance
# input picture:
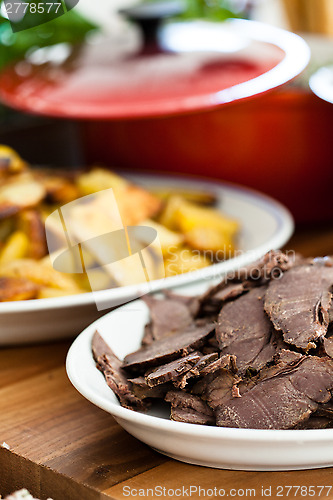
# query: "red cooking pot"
(279, 143)
(181, 99)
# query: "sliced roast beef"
(182, 369)
(191, 302)
(212, 302)
(256, 324)
(167, 349)
(100, 348)
(221, 386)
(116, 378)
(218, 382)
(326, 410)
(328, 346)
(167, 316)
(223, 362)
(315, 422)
(299, 302)
(174, 372)
(203, 364)
(148, 336)
(282, 401)
(142, 390)
(208, 364)
(217, 388)
(245, 331)
(231, 291)
(271, 265)
(189, 408)
(284, 362)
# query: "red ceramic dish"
(202, 66)
(279, 143)
(198, 117)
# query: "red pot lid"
(201, 65)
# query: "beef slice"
(212, 302)
(245, 331)
(174, 371)
(148, 336)
(282, 401)
(299, 302)
(218, 382)
(142, 390)
(328, 346)
(234, 284)
(191, 302)
(111, 367)
(167, 349)
(167, 316)
(189, 408)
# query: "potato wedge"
(167, 238)
(10, 161)
(184, 260)
(23, 191)
(130, 271)
(39, 273)
(191, 216)
(134, 203)
(32, 226)
(210, 239)
(13, 289)
(7, 227)
(169, 215)
(98, 179)
(16, 247)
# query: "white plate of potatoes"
(205, 228)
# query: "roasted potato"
(10, 162)
(191, 234)
(134, 203)
(166, 238)
(12, 289)
(16, 247)
(98, 179)
(191, 216)
(20, 192)
(39, 273)
(184, 260)
(32, 225)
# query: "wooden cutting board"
(63, 447)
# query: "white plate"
(265, 225)
(321, 83)
(240, 449)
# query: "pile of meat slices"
(253, 352)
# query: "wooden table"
(63, 447)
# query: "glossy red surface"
(279, 143)
(200, 66)
(131, 89)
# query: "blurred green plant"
(215, 10)
(71, 28)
